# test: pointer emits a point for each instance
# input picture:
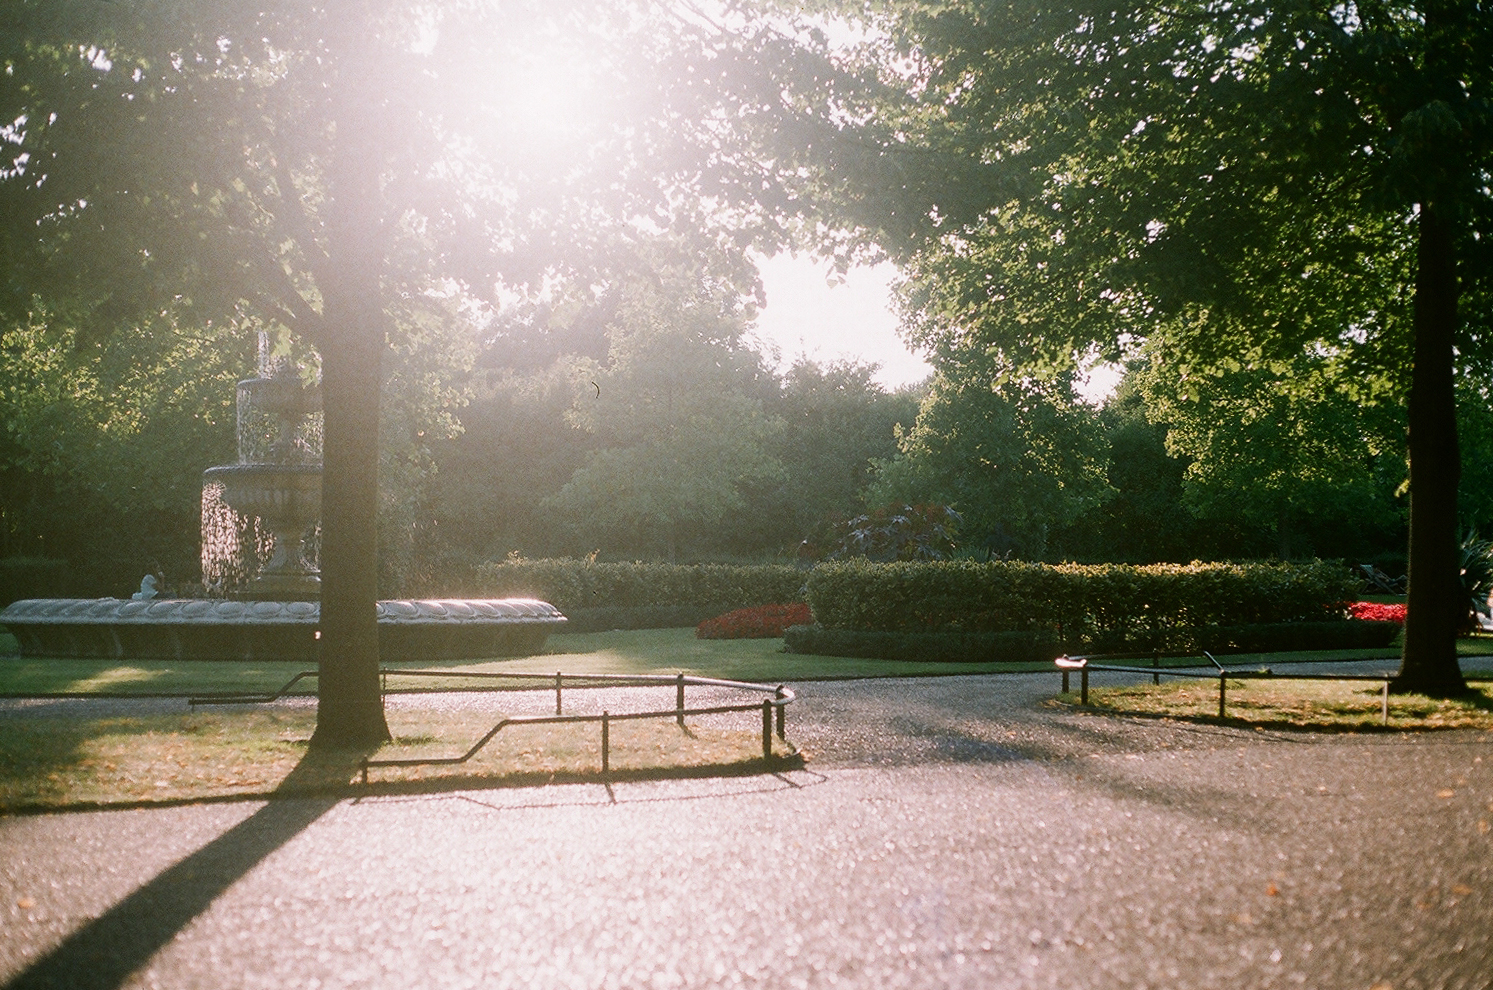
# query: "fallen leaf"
(1446, 793)
(25, 903)
(1461, 889)
(1271, 890)
(1483, 826)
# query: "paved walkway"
(949, 832)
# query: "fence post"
(766, 730)
(1065, 682)
(782, 708)
(1156, 663)
(1083, 685)
(557, 692)
(1223, 681)
(606, 745)
(1386, 702)
(679, 699)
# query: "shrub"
(986, 647)
(1376, 612)
(1080, 604)
(708, 589)
(32, 577)
(762, 622)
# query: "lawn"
(1318, 705)
(643, 651)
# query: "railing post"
(782, 709)
(1083, 685)
(1386, 702)
(557, 692)
(606, 745)
(1223, 681)
(1065, 682)
(679, 699)
(767, 730)
(1156, 663)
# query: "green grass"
(1318, 705)
(643, 651)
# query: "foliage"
(1014, 647)
(579, 584)
(1016, 457)
(1080, 603)
(1477, 577)
(761, 622)
(102, 445)
(1377, 612)
(837, 423)
(1245, 182)
(678, 415)
(1291, 447)
(32, 577)
(893, 532)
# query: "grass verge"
(641, 651)
(1299, 704)
(58, 762)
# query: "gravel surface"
(947, 832)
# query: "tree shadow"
(103, 954)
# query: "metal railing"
(1084, 664)
(772, 709)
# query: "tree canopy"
(1245, 181)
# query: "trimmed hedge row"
(1080, 603)
(572, 585)
(1000, 647)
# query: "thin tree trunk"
(1428, 664)
(350, 708)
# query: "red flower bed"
(1375, 612)
(763, 622)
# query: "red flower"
(763, 622)
(1376, 612)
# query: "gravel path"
(947, 832)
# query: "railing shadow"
(103, 954)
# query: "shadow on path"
(104, 953)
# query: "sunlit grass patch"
(59, 762)
(1297, 703)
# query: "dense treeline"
(640, 422)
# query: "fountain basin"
(214, 629)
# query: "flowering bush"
(1375, 612)
(762, 622)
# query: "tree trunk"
(350, 707)
(1429, 664)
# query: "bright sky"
(851, 318)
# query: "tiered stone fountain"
(273, 611)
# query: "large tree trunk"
(350, 709)
(1429, 662)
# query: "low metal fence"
(773, 709)
(1084, 664)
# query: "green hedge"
(986, 647)
(32, 577)
(573, 585)
(1080, 603)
